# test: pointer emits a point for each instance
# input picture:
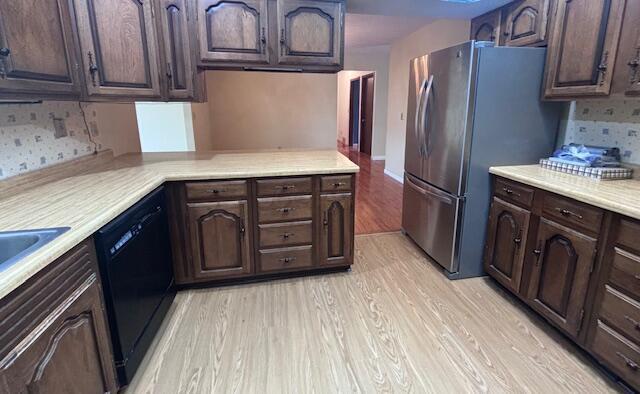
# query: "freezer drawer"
(430, 217)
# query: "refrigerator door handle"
(418, 115)
(429, 192)
(424, 148)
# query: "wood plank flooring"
(378, 196)
(392, 324)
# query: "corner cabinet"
(337, 235)
(53, 332)
(487, 27)
(119, 48)
(219, 239)
(287, 35)
(582, 48)
(310, 32)
(627, 69)
(37, 50)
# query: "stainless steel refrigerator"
(471, 106)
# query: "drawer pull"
(216, 191)
(287, 260)
(287, 235)
(566, 212)
(510, 191)
(338, 184)
(517, 241)
(285, 210)
(636, 325)
(630, 363)
(285, 187)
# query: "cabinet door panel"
(582, 48)
(561, 273)
(119, 47)
(38, 53)
(310, 32)
(178, 64)
(67, 353)
(220, 245)
(233, 31)
(525, 23)
(337, 229)
(506, 238)
(627, 71)
(487, 27)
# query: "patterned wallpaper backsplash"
(34, 136)
(612, 122)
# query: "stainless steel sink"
(15, 245)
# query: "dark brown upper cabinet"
(37, 50)
(525, 23)
(336, 237)
(582, 48)
(220, 244)
(119, 48)
(506, 238)
(627, 70)
(560, 276)
(487, 27)
(310, 32)
(233, 31)
(176, 49)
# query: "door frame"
(373, 109)
(351, 109)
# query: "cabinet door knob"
(287, 260)
(5, 52)
(517, 241)
(287, 235)
(93, 68)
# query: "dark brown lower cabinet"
(580, 269)
(336, 243)
(560, 274)
(507, 234)
(241, 229)
(53, 331)
(219, 240)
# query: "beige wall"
(261, 110)
(202, 134)
(371, 59)
(436, 35)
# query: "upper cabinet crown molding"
(582, 48)
(37, 50)
(119, 48)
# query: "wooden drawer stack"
(615, 334)
(285, 224)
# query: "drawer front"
(283, 234)
(572, 212)
(625, 272)
(620, 354)
(629, 234)
(211, 191)
(284, 209)
(514, 191)
(335, 183)
(621, 312)
(284, 186)
(285, 258)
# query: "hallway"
(378, 196)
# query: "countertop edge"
(584, 197)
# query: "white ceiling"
(370, 30)
(426, 8)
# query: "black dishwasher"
(134, 254)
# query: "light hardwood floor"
(392, 324)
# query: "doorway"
(361, 113)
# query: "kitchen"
(190, 199)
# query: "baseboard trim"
(377, 157)
(394, 176)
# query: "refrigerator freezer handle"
(427, 192)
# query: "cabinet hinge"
(581, 320)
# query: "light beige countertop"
(621, 196)
(88, 201)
